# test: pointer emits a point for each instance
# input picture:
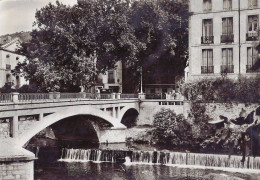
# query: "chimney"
(9, 38)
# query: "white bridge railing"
(32, 96)
(29, 97)
(5, 97)
(55, 96)
(129, 96)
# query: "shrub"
(224, 90)
(171, 129)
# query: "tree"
(171, 129)
(70, 46)
(161, 30)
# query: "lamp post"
(141, 80)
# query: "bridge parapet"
(57, 96)
(35, 97)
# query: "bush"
(223, 90)
(171, 129)
(28, 89)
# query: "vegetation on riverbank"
(196, 132)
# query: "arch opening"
(130, 118)
(75, 129)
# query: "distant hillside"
(24, 36)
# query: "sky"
(18, 15)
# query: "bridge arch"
(128, 116)
(65, 113)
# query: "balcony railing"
(227, 38)
(227, 69)
(252, 36)
(207, 39)
(207, 69)
(250, 69)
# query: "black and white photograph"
(129, 90)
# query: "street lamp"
(141, 79)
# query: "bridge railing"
(104, 96)
(129, 96)
(33, 96)
(70, 96)
(56, 96)
(155, 96)
(5, 97)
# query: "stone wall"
(148, 108)
(4, 128)
(140, 134)
(16, 170)
(231, 111)
(25, 123)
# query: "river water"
(77, 160)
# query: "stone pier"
(15, 162)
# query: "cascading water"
(160, 157)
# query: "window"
(252, 55)
(207, 32)
(8, 78)
(227, 30)
(227, 4)
(8, 67)
(207, 5)
(227, 61)
(252, 33)
(207, 61)
(111, 78)
(227, 26)
(252, 23)
(252, 3)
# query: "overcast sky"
(18, 15)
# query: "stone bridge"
(24, 118)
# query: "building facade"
(222, 38)
(8, 60)
(110, 81)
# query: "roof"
(6, 45)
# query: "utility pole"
(239, 33)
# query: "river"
(78, 160)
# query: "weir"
(159, 157)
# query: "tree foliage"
(171, 129)
(71, 45)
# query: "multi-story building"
(110, 81)
(8, 60)
(222, 38)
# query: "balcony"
(207, 39)
(250, 69)
(227, 69)
(252, 36)
(227, 38)
(207, 69)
